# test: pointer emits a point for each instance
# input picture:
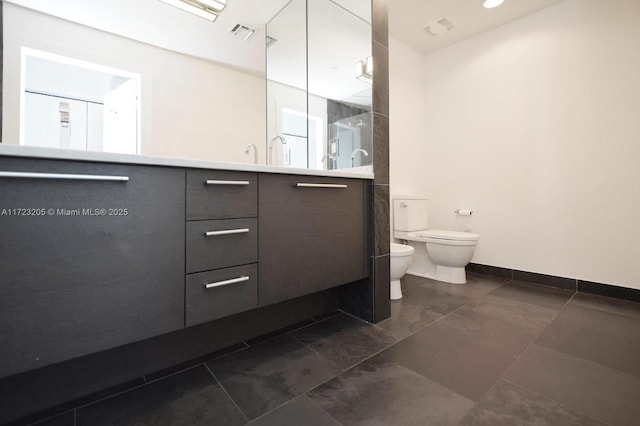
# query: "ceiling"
(407, 18)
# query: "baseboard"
(573, 284)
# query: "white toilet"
(400, 260)
(438, 255)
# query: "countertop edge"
(7, 150)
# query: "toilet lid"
(448, 235)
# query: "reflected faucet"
(332, 158)
(270, 147)
(355, 151)
(252, 147)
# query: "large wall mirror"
(283, 82)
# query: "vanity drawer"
(214, 244)
(215, 194)
(231, 290)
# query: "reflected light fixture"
(207, 9)
(364, 70)
(490, 4)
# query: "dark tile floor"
(491, 352)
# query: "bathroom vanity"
(99, 254)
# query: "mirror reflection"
(159, 81)
(327, 82)
(72, 104)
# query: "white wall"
(536, 127)
(408, 145)
(191, 108)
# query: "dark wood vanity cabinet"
(87, 263)
(97, 255)
(312, 234)
(221, 244)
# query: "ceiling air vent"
(242, 31)
(440, 26)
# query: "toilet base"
(451, 275)
(396, 290)
(445, 274)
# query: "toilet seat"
(448, 235)
(451, 238)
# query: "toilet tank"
(410, 214)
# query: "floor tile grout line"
(553, 400)
(173, 374)
(135, 387)
(289, 334)
(286, 332)
(44, 419)
(567, 303)
(605, 310)
(235, 404)
(246, 346)
(109, 396)
(304, 393)
(594, 363)
(431, 324)
(517, 357)
(443, 316)
(484, 295)
(342, 370)
(351, 366)
(535, 304)
(329, 414)
(400, 339)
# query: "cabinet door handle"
(226, 232)
(226, 282)
(320, 185)
(227, 182)
(29, 175)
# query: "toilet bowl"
(399, 263)
(438, 254)
(447, 254)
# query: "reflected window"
(72, 104)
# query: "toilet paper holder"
(463, 212)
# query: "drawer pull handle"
(226, 232)
(320, 185)
(226, 282)
(29, 175)
(227, 182)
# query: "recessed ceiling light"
(490, 4)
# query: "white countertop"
(365, 172)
